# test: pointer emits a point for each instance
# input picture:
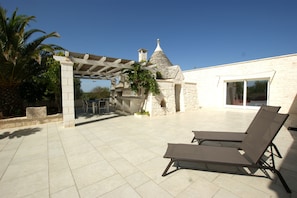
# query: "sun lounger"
(221, 136)
(253, 146)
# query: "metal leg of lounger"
(282, 180)
(199, 141)
(272, 157)
(272, 168)
(167, 168)
(276, 150)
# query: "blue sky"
(193, 33)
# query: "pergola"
(85, 66)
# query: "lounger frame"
(251, 154)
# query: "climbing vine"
(141, 78)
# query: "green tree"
(99, 92)
(19, 56)
(78, 92)
(52, 79)
(141, 78)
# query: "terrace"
(122, 156)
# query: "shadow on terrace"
(82, 118)
(19, 133)
(288, 144)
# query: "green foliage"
(142, 112)
(18, 53)
(20, 58)
(141, 78)
(78, 92)
(97, 93)
(52, 77)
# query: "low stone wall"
(34, 116)
(36, 112)
(24, 121)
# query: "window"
(235, 93)
(247, 93)
(257, 93)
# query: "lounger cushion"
(208, 154)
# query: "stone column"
(67, 84)
(67, 94)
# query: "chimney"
(142, 55)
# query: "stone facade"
(164, 103)
(190, 96)
(174, 91)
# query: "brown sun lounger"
(222, 136)
(253, 146)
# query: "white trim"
(259, 76)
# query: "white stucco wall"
(281, 72)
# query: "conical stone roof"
(159, 58)
(161, 61)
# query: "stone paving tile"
(262, 184)
(124, 146)
(123, 157)
(12, 144)
(108, 153)
(138, 156)
(92, 173)
(154, 169)
(55, 149)
(104, 186)
(238, 188)
(60, 179)
(24, 186)
(136, 179)
(150, 189)
(5, 158)
(29, 153)
(4, 141)
(96, 142)
(43, 194)
(17, 170)
(122, 192)
(58, 163)
(222, 193)
(124, 167)
(83, 159)
(199, 188)
(70, 192)
(177, 183)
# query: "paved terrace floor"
(122, 156)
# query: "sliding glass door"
(235, 93)
(247, 92)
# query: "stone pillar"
(67, 90)
(67, 94)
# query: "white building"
(268, 81)
(176, 94)
(244, 85)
